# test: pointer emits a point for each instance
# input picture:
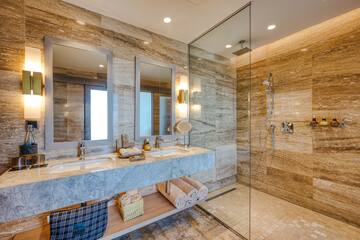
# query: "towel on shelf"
(188, 189)
(129, 152)
(177, 197)
(129, 197)
(202, 189)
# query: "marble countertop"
(29, 192)
(14, 178)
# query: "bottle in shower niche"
(324, 122)
(335, 123)
(314, 122)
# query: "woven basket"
(131, 210)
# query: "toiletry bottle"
(147, 145)
(335, 123)
(313, 123)
(324, 122)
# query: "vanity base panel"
(156, 207)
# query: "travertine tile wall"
(27, 22)
(212, 113)
(316, 73)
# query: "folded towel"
(128, 152)
(202, 189)
(188, 189)
(177, 197)
(129, 197)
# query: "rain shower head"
(243, 49)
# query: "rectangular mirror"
(155, 98)
(78, 94)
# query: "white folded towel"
(188, 189)
(202, 189)
(128, 152)
(177, 197)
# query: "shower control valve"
(287, 127)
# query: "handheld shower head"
(268, 83)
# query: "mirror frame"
(49, 108)
(138, 61)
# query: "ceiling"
(289, 16)
(191, 18)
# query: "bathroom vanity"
(68, 182)
(79, 112)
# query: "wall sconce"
(32, 84)
(183, 90)
(183, 96)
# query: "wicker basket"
(131, 210)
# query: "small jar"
(324, 122)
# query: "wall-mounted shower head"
(243, 49)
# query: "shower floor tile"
(275, 219)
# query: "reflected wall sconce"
(32, 84)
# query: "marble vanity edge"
(38, 197)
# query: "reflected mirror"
(80, 93)
(155, 98)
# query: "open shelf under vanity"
(156, 207)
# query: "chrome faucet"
(82, 151)
(158, 139)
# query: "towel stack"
(129, 152)
(183, 192)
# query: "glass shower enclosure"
(219, 69)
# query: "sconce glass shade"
(182, 110)
(184, 83)
(32, 59)
(32, 106)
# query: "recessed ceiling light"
(167, 20)
(80, 22)
(271, 27)
(146, 43)
(228, 46)
(101, 66)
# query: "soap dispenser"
(147, 145)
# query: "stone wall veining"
(316, 72)
(27, 22)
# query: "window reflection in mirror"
(79, 94)
(155, 100)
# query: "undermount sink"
(80, 165)
(164, 152)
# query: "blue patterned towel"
(82, 223)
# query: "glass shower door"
(219, 112)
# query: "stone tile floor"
(273, 218)
(191, 224)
